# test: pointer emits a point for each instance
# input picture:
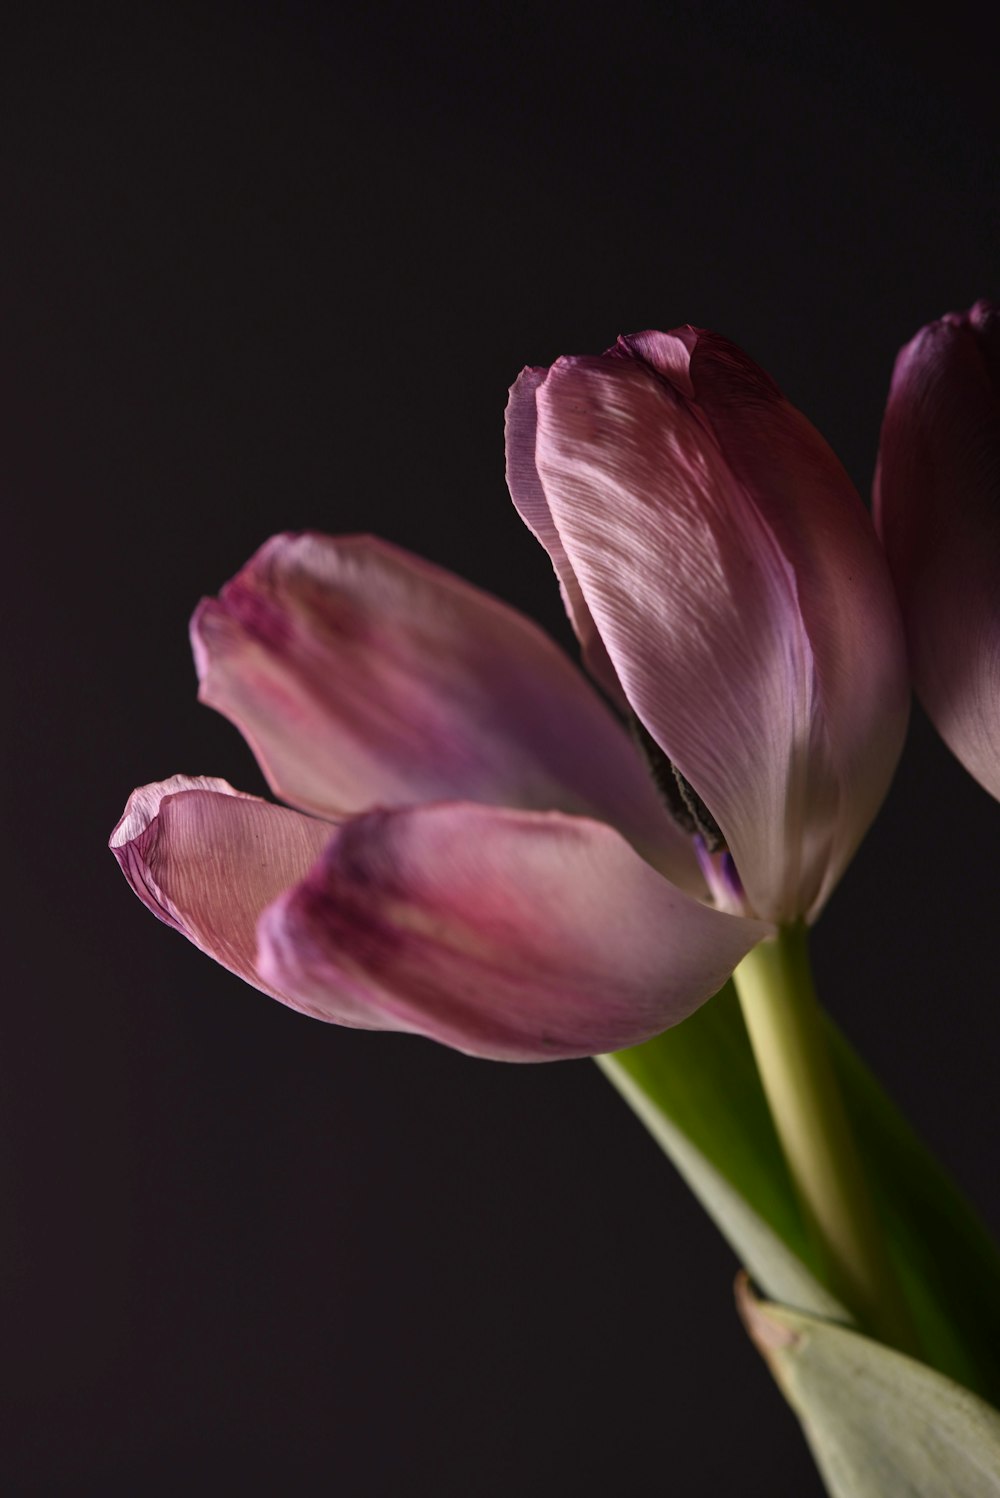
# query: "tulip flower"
(937, 507)
(727, 589)
(472, 847)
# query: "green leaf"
(948, 1264)
(696, 1088)
(877, 1421)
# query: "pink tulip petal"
(513, 935)
(520, 424)
(668, 353)
(361, 675)
(207, 859)
(937, 505)
(693, 582)
(843, 591)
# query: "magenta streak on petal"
(262, 617)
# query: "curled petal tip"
(206, 859)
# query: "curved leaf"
(697, 1091)
(877, 1421)
(696, 1088)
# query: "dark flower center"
(679, 796)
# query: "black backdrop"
(274, 266)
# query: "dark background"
(269, 267)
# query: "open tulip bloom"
(481, 845)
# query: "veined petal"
(692, 598)
(937, 506)
(207, 859)
(697, 580)
(362, 675)
(520, 428)
(669, 354)
(843, 591)
(512, 935)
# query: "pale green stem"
(788, 1035)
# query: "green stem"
(788, 1036)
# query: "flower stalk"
(788, 1035)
